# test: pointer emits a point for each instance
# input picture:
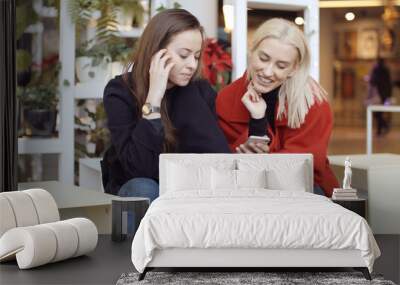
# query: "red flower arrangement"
(217, 63)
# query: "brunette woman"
(160, 106)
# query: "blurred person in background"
(380, 92)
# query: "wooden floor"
(346, 140)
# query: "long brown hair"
(157, 35)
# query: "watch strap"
(155, 109)
(148, 109)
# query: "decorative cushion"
(168, 176)
(280, 174)
(223, 179)
(292, 179)
(251, 178)
(181, 177)
(232, 180)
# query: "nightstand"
(358, 206)
(136, 205)
(376, 177)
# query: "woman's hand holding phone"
(253, 148)
(161, 65)
(254, 144)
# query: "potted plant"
(39, 108)
(94, 57)
(120, 54)
(217, 64)
(92, 63)
(38, 100)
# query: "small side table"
(136, 205)
(358, 206)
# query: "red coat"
(312, 136)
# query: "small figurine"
(347, 174)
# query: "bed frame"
(246, 258)
(242, 259)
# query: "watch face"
(146, 110)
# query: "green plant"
(23, 60)
(119, 51)
(38, 97)
(133, 7)
(98, 53)
(26, 16)
(42, 90)
(52, 3)
(116, 50)
(175, 5)
(82, 12)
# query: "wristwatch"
(147, 109)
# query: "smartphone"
(257, 139)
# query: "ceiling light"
(299, 21)
(350, 16)
(228, 17)
(353, 4)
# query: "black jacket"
(136, 143)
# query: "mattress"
(251, 218)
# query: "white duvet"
(250, 219)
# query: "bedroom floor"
(106, 264)
(388, 263)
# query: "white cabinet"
(376, 177)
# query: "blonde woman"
(277, 97)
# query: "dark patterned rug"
(230, 278)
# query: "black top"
(258, 127)
(137, 142)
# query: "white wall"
(206, 11)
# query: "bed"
(244, 210)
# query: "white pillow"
(281, 174)
(182, 177)
(223, 179)
(251, 178)
(291, 179)
(227, 179)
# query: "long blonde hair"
(299, 91)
